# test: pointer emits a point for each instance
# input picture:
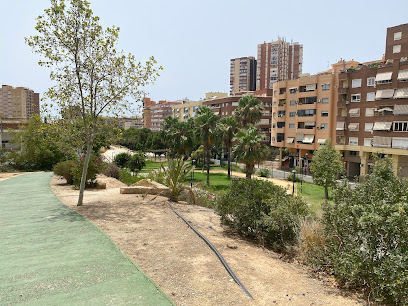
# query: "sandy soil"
(7, 175)
(178, 261)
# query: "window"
(234, 103)
(292, 102)
(396, 49)
(280, 125)
(325, 113)
(324, 126)
(274, 104)
(368, 127)
(401, 126)
(274, 115)
(353, 153)
(280, 137)
(370, 96)
(403, 76)
(326, 86)
(291, 126)
(356, 83)
(369, 112)
(325, 100)
(292, 90)
(368, 142)
(371, 81)
(292, 114)
(354, 112)
(354, 127)
(275, 93)
(353, 141)
(281, 113)
(306, 112)
(356, 98)
(397, 35)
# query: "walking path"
(51, 255)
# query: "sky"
(194, 40)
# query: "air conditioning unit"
(318, 100)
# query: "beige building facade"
(18, 103)
(186, 110)
(242, 74)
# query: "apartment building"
(187, 109)
(226, 107)
(278, 61)
(155, 113)
(373, 108)
(304, 113)
(242, 74)
(131, 122)
(18, 103)
(146, 114)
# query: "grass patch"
(219, 182)
(313, 194)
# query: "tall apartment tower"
(278, 61)
(18, 103)
(242, 74)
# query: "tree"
(179, 136)
(206, 122)
(249, 149)
(326, 166)
(155, 142)
(90, 74)
(135, 139)
(249, 110)
(229, 127)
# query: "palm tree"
(249, 148)
(179, 136)
(206, 122)
(229, 127)
(249, 110)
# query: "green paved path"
(50, 255)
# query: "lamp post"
(294, 179)
(301, 171)
(192, 172)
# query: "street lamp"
(294, 179)
(192, 172)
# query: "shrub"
(311, 243)
(174, 175)
(156, 175)
(122, 159)
(137, 162)
(95, 166)
(291, 177)
(262, 210)
(205, 198)
(366, 233)
(263, 172)
(112, 170)
(127, 177)
(64, 169)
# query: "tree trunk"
(326, 192)
(229, 162)
(84, 172)
(202, 168)
(208, 166)
(249, 169)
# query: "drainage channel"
(214, 250)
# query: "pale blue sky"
(194, 40)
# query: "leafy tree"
(206, 122)
(155, 142)
(229, 127)
(38, 146)
(249, 110)
(137, 161)
(179, 136)
(326, 166)
(89, 72)
(249, 149)
(122, 159)
(366, 235)
(135, 139)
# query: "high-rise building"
(18, 103)
(278, 61)
(372, 107)
(155, 113)
(242, 74)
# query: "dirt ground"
(186, 269)
(7, 175)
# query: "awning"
(403, 75)
(310, 123)
(384, 94)
(353, 126)
(369, 112)
(290, 139)
(380, 141)
(299, 136)
(400, 109)
(310, 87)
(401, 93)
(385, 76)
(295, 88)
(308, 139)
(321, 141)
(382, 126)
(400, 142)
(354, 111)
(385, 109)
(340, 126)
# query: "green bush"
(263, 172)
(367, 235)
(127, 177)
(291, 177)
(95, 166)
(122, 159)
(262, 210)
(65, 169)
(112, 170)
(137, 162)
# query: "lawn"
(313, 194)
(219, 182)
(151, 165)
